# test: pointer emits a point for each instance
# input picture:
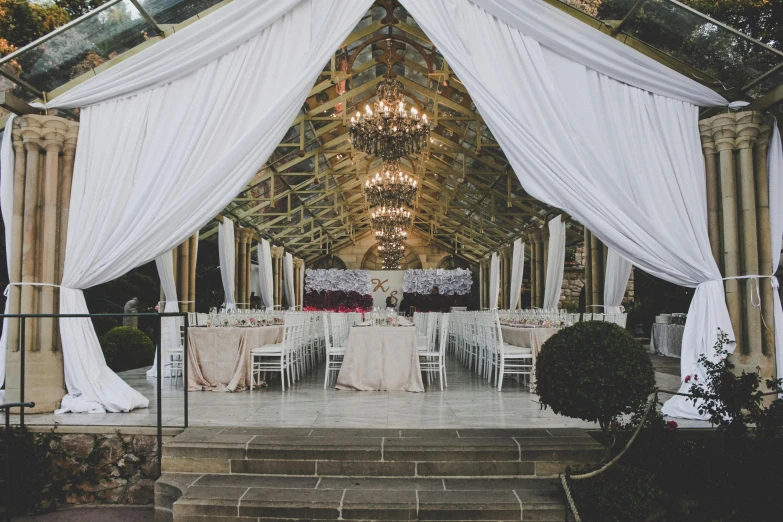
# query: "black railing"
(157, 336)
(9, 450)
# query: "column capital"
(765, 132)
(277, 252)
(707, 141)
(724, 131)
(298, 262)
(504, 251)
(748, 124)
(484, 263)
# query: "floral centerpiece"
(337, 290)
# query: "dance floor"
(468, 402)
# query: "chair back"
(444, 334)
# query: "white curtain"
(227, 253)
(288, 279)
(775, 173)
(618, 270)
(169, 325)
(623, 161)
(255, 280)
(555, 263)
(7, 208)
(494, 281)
(517, 272)
(177, 131)
(265, 273)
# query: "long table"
(219, 358)
(381, 358)
(531, 338)
(666, 339)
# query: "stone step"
(380, 453)
(196, 497)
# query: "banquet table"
(219, 358)
(666, 339)
(527, 337)
(381, 358)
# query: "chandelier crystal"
(388, 130)
(391, 188)
(387, 219)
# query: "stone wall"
(102, 466)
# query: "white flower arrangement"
(318, 280)
(449, 282)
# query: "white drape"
(255, 280)
(618, 270)
(517, 272)
(169, 325)
(624, 162)
(288, 279)
(555, 263)
(494, 281)
(775, 174)
(227, 254)
(265, 273)
(7, 208)
(169, 137)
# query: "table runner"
(381, 358)
(219, 358)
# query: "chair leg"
(501, 370)
(326, 377)
(440, 375)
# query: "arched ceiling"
(308, 197)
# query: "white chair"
(334, 354)
(278, 357)
(173, 351)
(426, 341)
(432, 361)
(509, 359)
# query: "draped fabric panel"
(169, 325)
(6, 205)
(555, 263)
(618, 270)
(623, 161)
(494, 281)
(255, 281)
(775, 173)
(265, 273)
(517, 272)
(169, 137)
(288, 279)
(227, 253)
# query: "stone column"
(485, 286)
(236, 266)
(43, 166)
(764, 237)
(724, 133)
(191, 296)
(597, 270)
(297, 282)
(747, 133)
(540, 281)
(531, 241)
(182, 254)
(277, 273)
(505, 276)
(713, 192)
(588, 262)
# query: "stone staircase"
(387, 474)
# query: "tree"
(759, 19)
(22, 22)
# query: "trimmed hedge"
(127, 348)
(594, 371)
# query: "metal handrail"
(7, 407)
(158, 362)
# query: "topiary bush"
(594, 371)
(623, 493)
(127, 348)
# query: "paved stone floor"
(468, 402)
(95, 514)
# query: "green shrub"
(127, 348)
(622, 493)
(594, 371)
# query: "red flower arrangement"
(671, 425)
(337, 301)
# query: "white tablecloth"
(381, 358)
(666, 339)
(219, 358)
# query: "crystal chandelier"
(391, 188)
(387, 130)
(391, 255)
(387, 219)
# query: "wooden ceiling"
(308, 197)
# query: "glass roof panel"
(82, 46)
(706, 46)
(175, 11)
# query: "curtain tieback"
(9, 285)
(754, 289)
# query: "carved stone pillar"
(531, 240)
(298, 290)
(505, 276)
(713, 192)
(191, 295)
(597, 270)
(482, 283)
(764, 236)
(44, 149)
(277, 273)
(182, 258)
(724, 133)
